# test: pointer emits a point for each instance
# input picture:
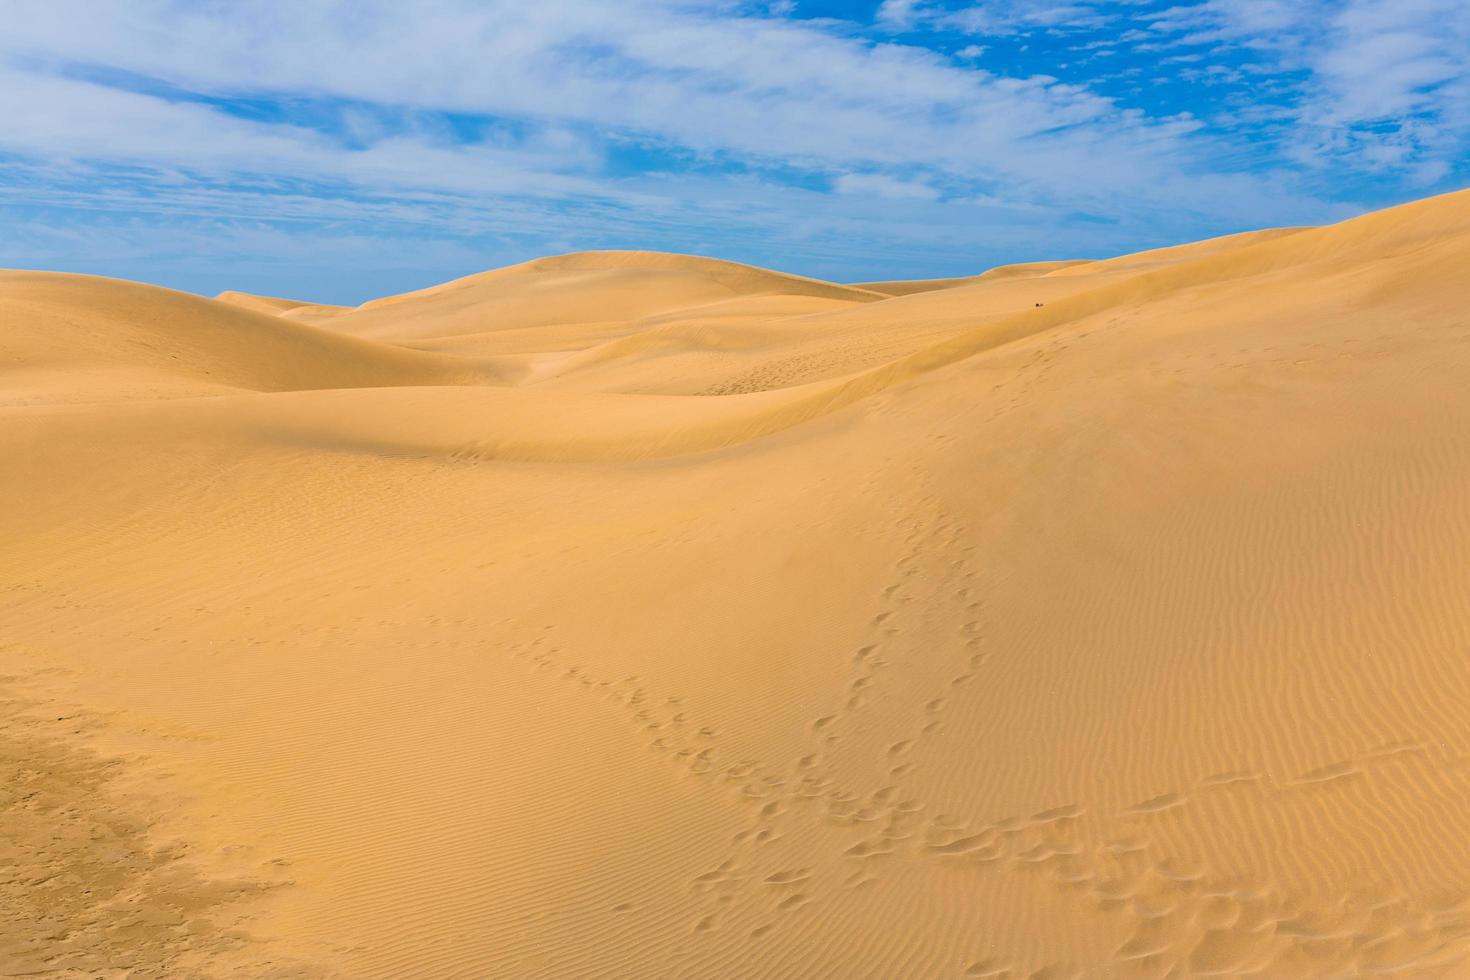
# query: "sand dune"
(260, 304)
(82, 338)
(635, 615)
(290, 309)
(1024, 270)
(583, 288)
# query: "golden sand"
(636, 615)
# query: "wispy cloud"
(882, 185)
(998, 17)
(1383, 84)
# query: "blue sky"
(338, 150)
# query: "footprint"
(1327, 774)
(1112, 891)
(1399, 748)
(1056, 814)
(965, 845)
(1158, 804)
(789, 877)
(1174, 871)
(873, 848)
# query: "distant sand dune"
(586, 287)
(1025, 270)
(627, 614)
(260, 304)
(82, 338)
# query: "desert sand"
(637, 615)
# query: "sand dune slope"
(636, 616)
(260, 304)
(290, 309)
(582, 288)
(1024, 270)
(83, 338)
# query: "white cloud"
(60, 118)
(1387, 82)
(899, 14)
(704, 78)
(1277, 22)
(998, 18)
(677, 73)
(1393, 81)
(882, 185)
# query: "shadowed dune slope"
(651, 616)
